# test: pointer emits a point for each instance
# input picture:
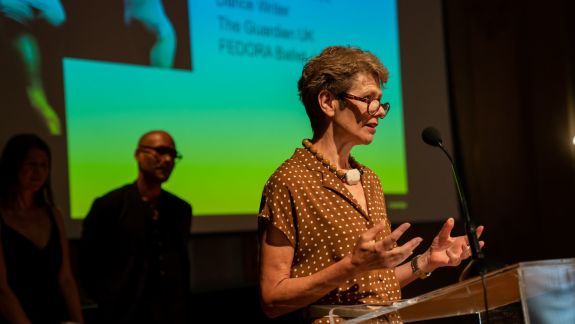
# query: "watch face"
(414, 267)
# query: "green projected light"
(236, 115)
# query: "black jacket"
(117, 259)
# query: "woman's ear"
(327, 102)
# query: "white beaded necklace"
(351, 177)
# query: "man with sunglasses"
(134, 248)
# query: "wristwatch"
(415, 269)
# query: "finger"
(479, 230)
(368, 246)
(466, 253)
(445, 231)
(467, 249)
(399, 254)
(411, 245)
(405, 249)
(389, 241)
(371, 233)
(401, 229)
(454, 259)
(459, 249)
(373, 248)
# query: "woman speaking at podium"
(325, 237)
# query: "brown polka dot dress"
(322, 220)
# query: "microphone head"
(431, 136)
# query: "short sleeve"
(277, 207)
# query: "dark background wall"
(512, 66)
(511, 71)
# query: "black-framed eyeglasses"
(163, 150)
(373, 105)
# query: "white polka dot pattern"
(322, 220)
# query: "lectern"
(544, 292)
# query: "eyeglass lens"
(374, 105)
(163, 150)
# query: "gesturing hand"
(446, 250)
(369, 254)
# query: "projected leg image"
(151, 14)
(30, 54)
(152, 33)
(17, 16)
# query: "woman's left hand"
(447, 251)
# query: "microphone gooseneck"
(431, 136)
(478, 266)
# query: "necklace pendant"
(352, 177)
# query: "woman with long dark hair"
(36, 281)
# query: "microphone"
(431, 136)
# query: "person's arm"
(187, 226)
(445, 251)
(10, 306)
(66, 279)
(404, 274)
(281, 294)
(95, 244)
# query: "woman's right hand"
(369, 253)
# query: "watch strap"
(416, 271)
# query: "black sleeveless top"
(32, 273)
